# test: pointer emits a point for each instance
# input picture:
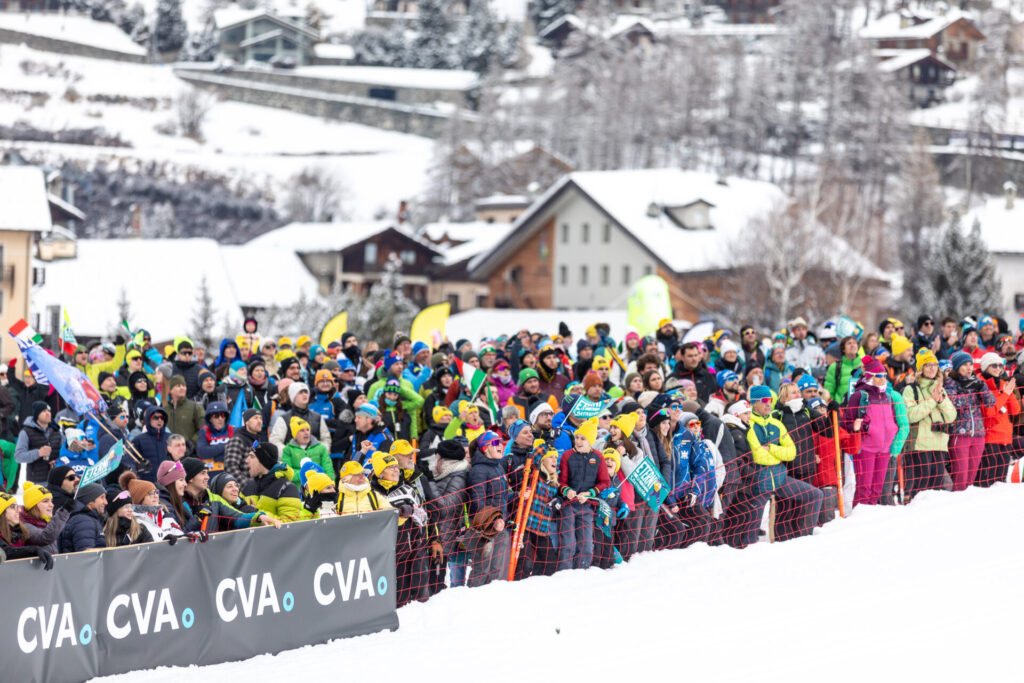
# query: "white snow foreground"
(929, 592)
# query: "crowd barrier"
(240, 594)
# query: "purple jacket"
(879, 426)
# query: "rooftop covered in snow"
(73, 29)
(895, 26)
(24, 202)
(1002, 228)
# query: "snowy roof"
(908, 58)
(73, 29)
(267, 276)
(68, 209)
(502, 200)
(480, 323)
(306, 238)
(334, 51)
(483, 240)
(23, 199)
(888, 26)
(1002, 229)
(160, 278)
(230, 17)
(423, 79)
(625, 23)
(459, 232)
(570, 19)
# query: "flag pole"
(136, 456)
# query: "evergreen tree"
(431, 48)
(124, 306)
(170, 31)
(509, 48)
(960, 278)
(133, 22)
(385, 309)
(204, 317)
(201, 46)
(477, 42)
(376, 47)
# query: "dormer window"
(695, 215)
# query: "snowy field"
(253, 145)
(929, 592)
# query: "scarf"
(445, 467)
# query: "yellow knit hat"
(297, 424)
(600, 362)
(626, 423)
(284, 341)
(924, 357)
(34, 494)
(317, 482)
(439, 412)
(900, 344)
(381, 461)
(612, 454)
(588, 430)
(6, 501)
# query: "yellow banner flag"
(335, 327)
(648, 303)
(429, 325)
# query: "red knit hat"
(592, 379)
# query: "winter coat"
(235, 452)
(151, 444)
(401, 428)
(970, 397)
(25, 396)
(581, 472)
(825, 448)
(108, 438)
(541, 518)
(838, 377)
(770, 448)
(798, 426)
(212, 444)
(26, 451)
(158, 520)
(875, 407)
(773, 375)
(281, 433)
(378, 436)
(489, 557)
(293, 454)
(552, 383)
(43, 533)
(276, 495)
(806, 354)
(186, 417)
(190, 371)
(122, 535)
(504, 391)
(488, 484)
(694, 471)
(923, 413)
(448, 507)
(998, 422)
(701, 376)
(352, 502)
(83, 531)
(226, 516)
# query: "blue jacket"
(487, 484)
(567, 432)
(324, 404)
(417, 377)
(152, 444)
(694, 471)
(80, 461)
(224, 343)
(83, 531)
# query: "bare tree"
(191, 107)
(317, 195)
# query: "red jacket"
(825, 449)
(626, 491)
(998, 425)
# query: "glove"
(12, 363)
(623, 512)
(45, 557)
(197, 536)
(419, 516)
(118, 340)
(436, 553)
(609, 493)
(312, 503)
(405, 511)
(143, 466)
(69, 504)
(171, 540)
(691, 500)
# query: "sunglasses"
(765, 400)
(157, 417)
(676, 406)
(693, 423)
(72, 477)
(184, 352)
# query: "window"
(38, 276)
(409, 257)
(481, 301)
(586, 233)
(583, 275)
(607, 233)
(453, 301)
(387, 94)
(605, 275)
(647, 269)
(565, 233)
(563, 275)
(625, 275)
(370, 254)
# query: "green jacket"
(185, 418)
(411, 400)
(923, 412)
(293, 454)
(899, 411)
(844, 369)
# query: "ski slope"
(930, 592)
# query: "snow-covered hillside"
(257, 145)
(929, 592)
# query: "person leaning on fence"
(619, 498)
(998, 421)
(411, 544)
(84, 530)
(871, 404)
(271, 489)
(45, 520)
(932, 418)
(971, 397)
(770, 448)
(488, 543)
(582, 476)
(354, 493)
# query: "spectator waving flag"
(68, 343)
(70, 382)
(473, 379)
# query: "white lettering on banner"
(142, 611)
(247, 596)
(46, 624)
(363, 581)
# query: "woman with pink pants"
(870, 405)
(970, 396)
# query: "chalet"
(351, 256)
(459, 244)
(261, 36)
(749, 11)
(950, 34)
(593, 234)
(501, 208)
(923, 75)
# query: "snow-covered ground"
(929, 592)
(261, 145)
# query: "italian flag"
(68, 344)
(472, 378)
(25, 335)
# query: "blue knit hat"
(390, 358)
(419, 346)
(516, 428)
(368, 409)
(805, 381)
(759, 392)
(724, 376)
(960, 358)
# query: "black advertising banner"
(240, 594)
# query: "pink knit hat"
(169, 472)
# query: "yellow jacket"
(354, 502)
(93, 370)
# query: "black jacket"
(701, 376)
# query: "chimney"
(1010, 190)
(403, 212)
